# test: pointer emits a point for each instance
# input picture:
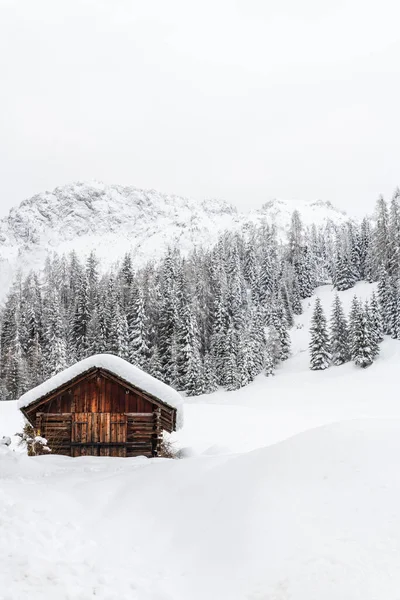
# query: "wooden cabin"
(102, 406)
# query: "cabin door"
(99, 434)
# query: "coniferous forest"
(217, 317)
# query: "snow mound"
(315, 516)
(119, 367)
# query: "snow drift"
(315, 516)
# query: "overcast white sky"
(243, 100)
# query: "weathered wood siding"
(100, 416)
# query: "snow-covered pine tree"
(92, 274)
(236, 290)
(278, 321)
(194, 379)
(354, 251)
(138, 347)
(296, 241)
(256, 341)
(373, 334)
(266, 279)
(220, 323)
(209, 376)
(296, 299)
(154, 364)
(394, 237)
(305, 275)
(189, 368)
(269, 366)
(365, 241)
(376, 318)
(287, 307)
(385, 300)
(230, 372)
(354, 324)
(13, 363)
(395, 308)
(345, 278)
(381, 247)
(362, 343)
(251, 266)
(320, 357)
(126, 277)
(55, 343)
(118, 338)
(167, 319)
(339, 334)
(273, 346)
(80, 320)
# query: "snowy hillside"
(292, 492)
(113, 220)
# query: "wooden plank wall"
(99, 416)
(56, 428)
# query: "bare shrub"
(35, 444)
(167, 450)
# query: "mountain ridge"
(114, 219)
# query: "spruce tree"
(381, 246)
(266, 280)
(278, 320)
(154, 364)
(376, 318)
(167, 319)
(80, 320)
(339, 334)
(365, 240)
(395, 309)
(319, 341)
(362, 342)
(394, 236)
(139, 353)
(209, 375)
(373, 334)
(230, 372)
(296, 299)
(385, 300)
(354, 324)
(345, 278)
(55, 344)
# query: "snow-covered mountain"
(112, 220)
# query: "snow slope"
(113, 219)
(291, 493)
(295, 399)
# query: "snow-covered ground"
(291, 492)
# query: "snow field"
(313, 516)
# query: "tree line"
(216, 317)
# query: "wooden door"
(103, 434)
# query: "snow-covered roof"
(119, 367)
